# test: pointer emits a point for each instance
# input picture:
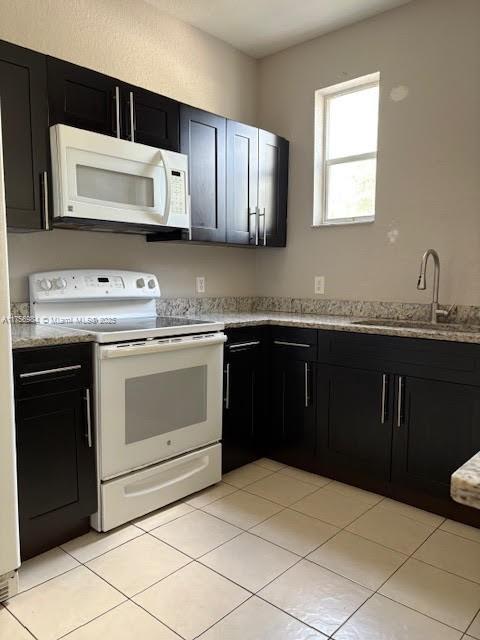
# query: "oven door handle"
(147, 348)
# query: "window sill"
(342, 223)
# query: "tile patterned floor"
(270, 553)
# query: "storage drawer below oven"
(144, 491)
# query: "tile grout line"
(377, 591)
(249, 530)
(20, 622)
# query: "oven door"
(157, 399)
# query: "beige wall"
(131, 40)
(428, 183)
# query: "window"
(346, 125)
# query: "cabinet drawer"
(48, 370)
(450, 361)
(245, 339)
(295, 343)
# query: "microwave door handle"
(166, 168)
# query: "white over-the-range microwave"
(101, 182)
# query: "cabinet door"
(56, 468)
(242, 183)
(243, 415)
(155, 118)
(435, 432)
(202, 137)
(354, 423)
(292, 413)
(272, 189)
(23, 98)
(83, 98)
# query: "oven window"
(114, 186)
(164, 402)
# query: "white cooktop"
(113, 305)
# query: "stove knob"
(140, 283)
(45, 284)
(152, 284)
(59, 283)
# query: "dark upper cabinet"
(55, 448)
(354, 418)
(89, 100)
(257, 186)
(242, 183)
(435, 432)
(83, 98)
(272, 189)
(244, 397)
(154, 119)
(23, 98)
(202, 138)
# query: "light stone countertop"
(465, 484)
(35, 335)
(234, 319)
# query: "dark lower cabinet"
(23, 104)
(436, 430)
(244, 398)
(393, 415)
(292, 429)
(55, 448)
(292, 413)
(202, 138)
(354, 422)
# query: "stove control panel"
(88, 284)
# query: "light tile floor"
(271, 553)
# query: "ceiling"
(262, 27)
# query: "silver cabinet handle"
(257, 224)
(46, 220)
(227, 387)
(307, 385)
(44, 372)
(117, 111)
(252, 212)
(89, 418)
(384, 397)
(262, 215)
(291, 344)
(241, 345)
(400, 401)
(132, 117)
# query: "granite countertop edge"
(235, 320)
(465, 483)
(25, 335)
(32, 335)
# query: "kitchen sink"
(411, 324)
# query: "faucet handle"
(445, 313)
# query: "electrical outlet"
(201, 286)
(319, 285)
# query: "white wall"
(428, 183)
(131, 40)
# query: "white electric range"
(157, 405)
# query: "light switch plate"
(201, 284)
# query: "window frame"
(321, 164)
